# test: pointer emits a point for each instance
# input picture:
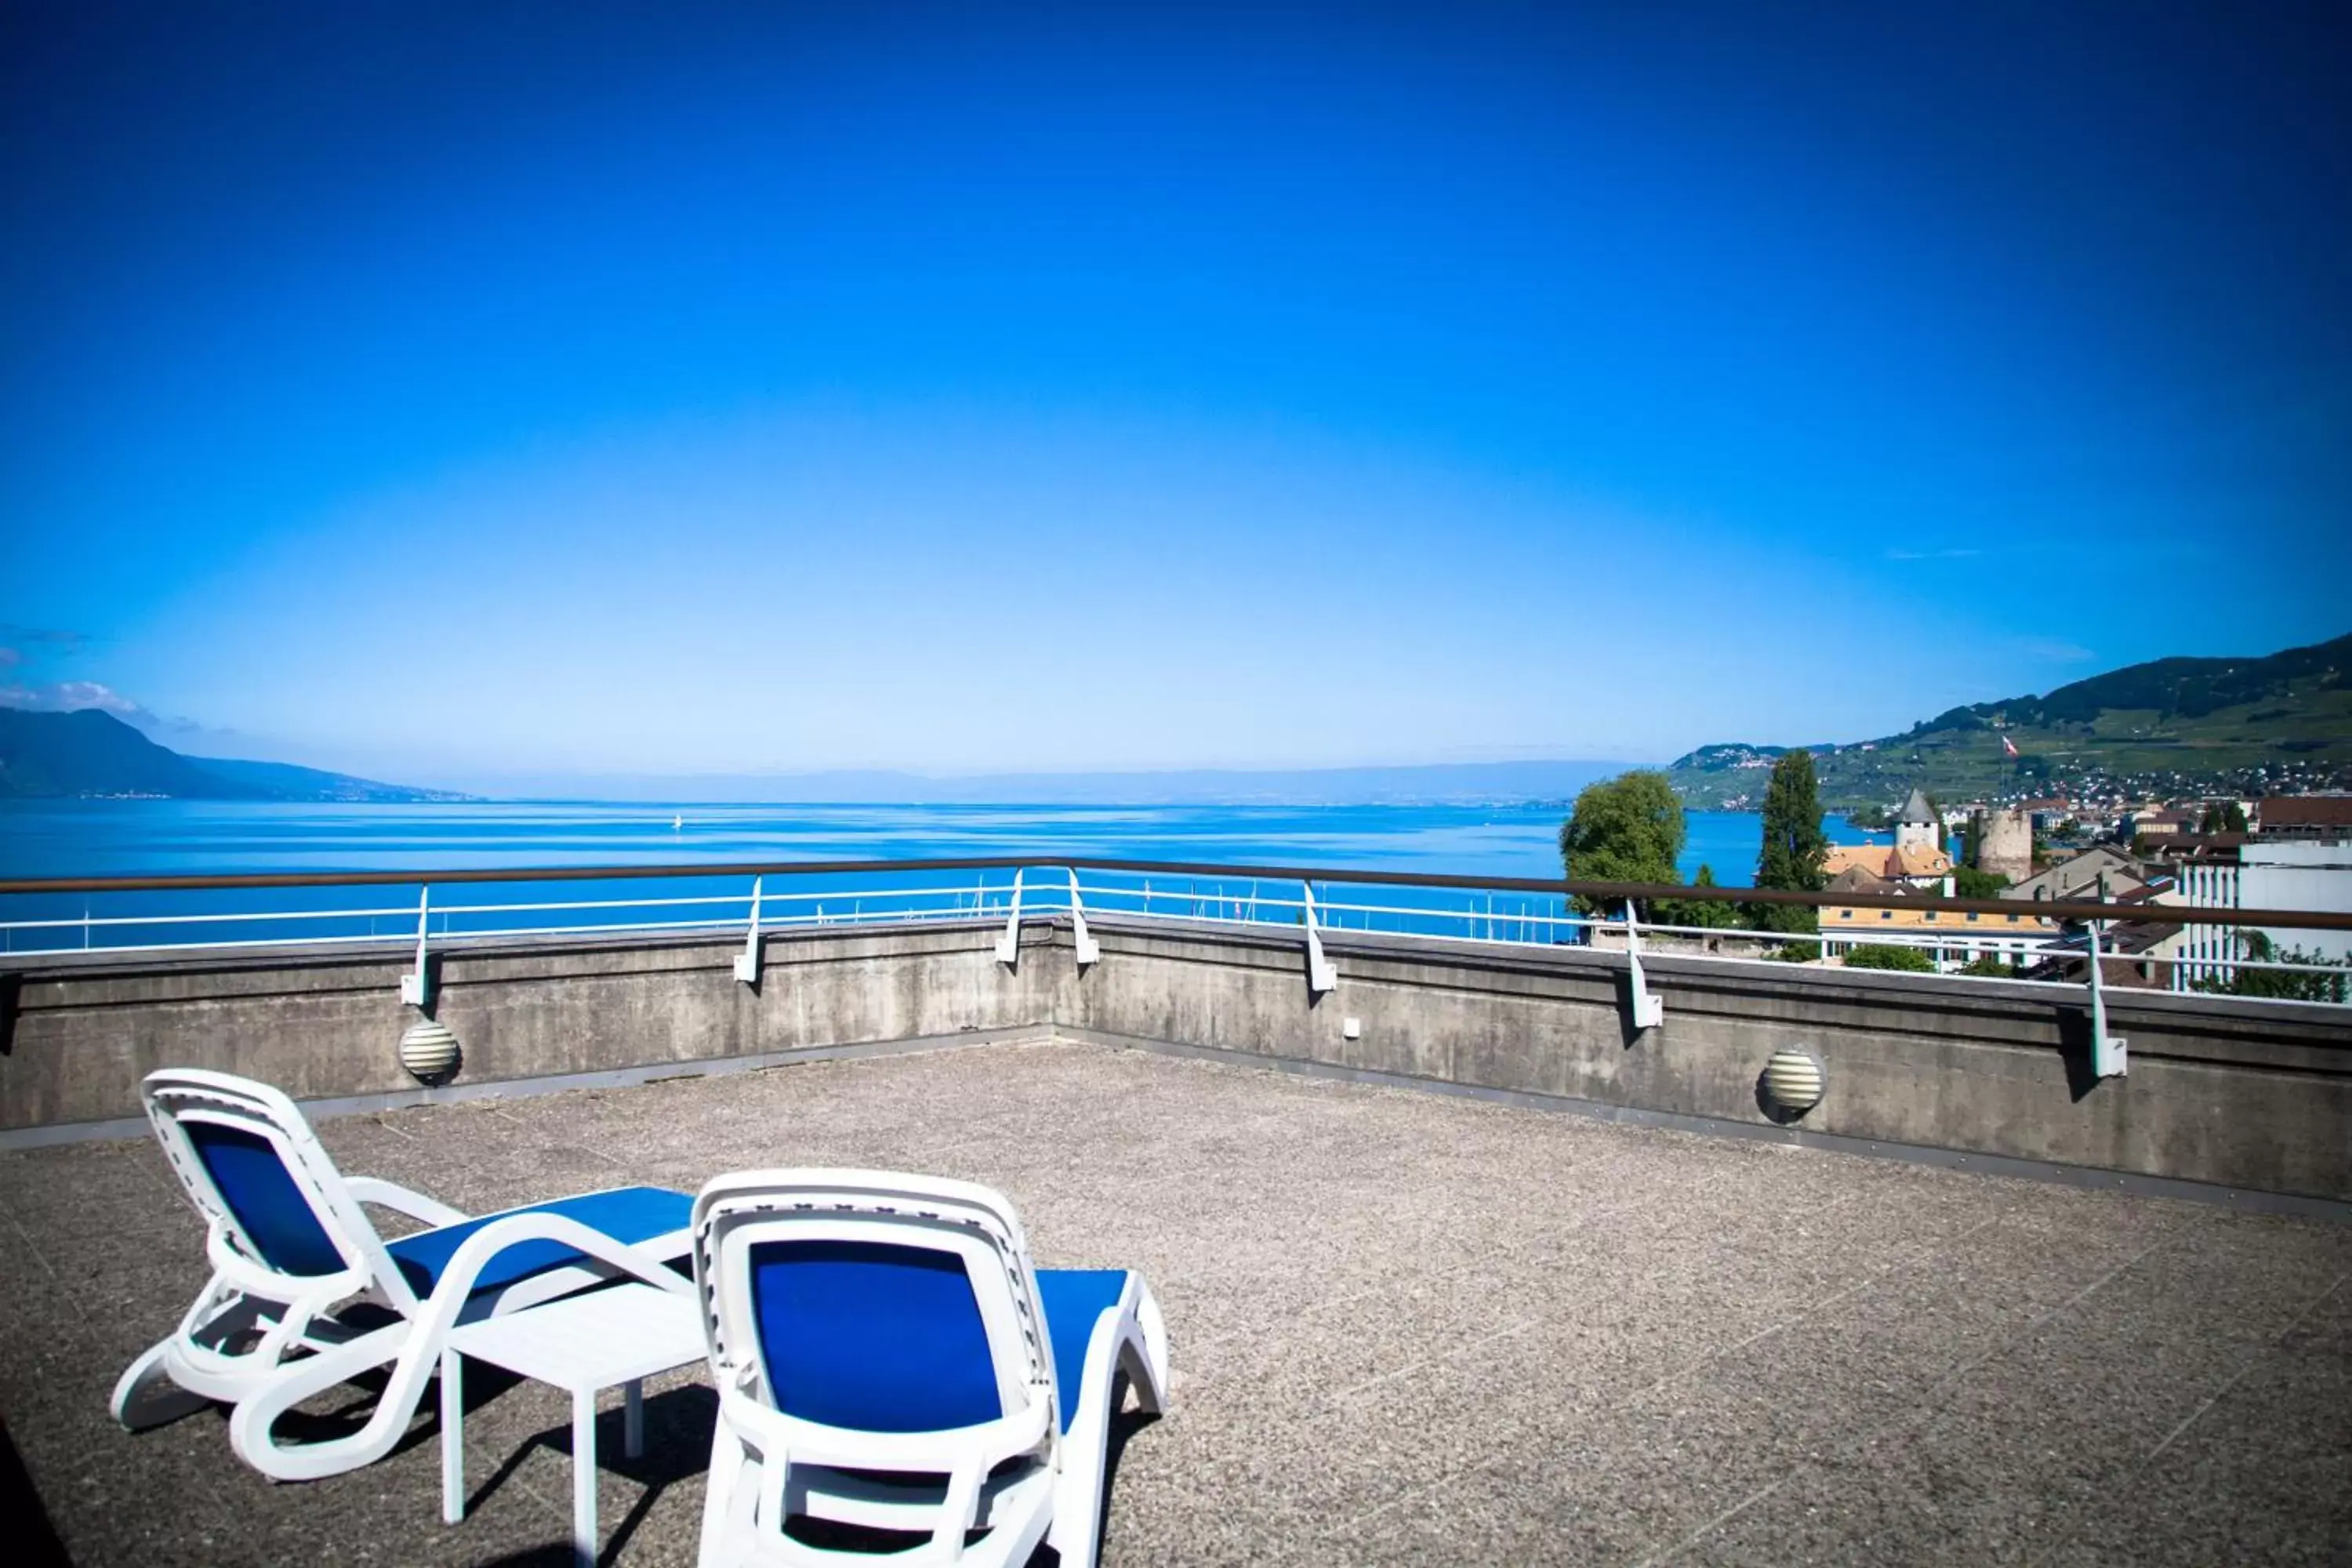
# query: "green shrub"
(2285, 984)
(1967, 882)
(1885, 956)
(1697, 911)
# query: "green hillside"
(88, 753)
(93, 753)
(2173, 726)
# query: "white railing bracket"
(1321, 978)
(1008, 946)
(747, 964)
(1649, 1010)
(416, 987)
(1087, 950)
(2109, 1058)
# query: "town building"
(2077, 876)
(2048, 812)
(2163, 824)
(2261, 873)
(1953, 938)
(2318, 816)
(1913, 860)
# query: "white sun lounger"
(305, 1295)
(886, 1357)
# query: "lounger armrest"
(840, 1447)
(401, 1200)
(475, 1254)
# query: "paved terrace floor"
(1406, 1328)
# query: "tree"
(1625, 829)
(1710, 912)
(1794, 844)
(2227, 818)
(1969, 882)
(1889, 955)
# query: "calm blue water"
(102, 837)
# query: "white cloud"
(68, 696)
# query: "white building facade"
(2287, 875)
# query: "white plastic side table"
(620, 1335)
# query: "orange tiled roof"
(1869, 858)
(1884, 862)
(1922, 863)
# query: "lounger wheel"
(145, 1395)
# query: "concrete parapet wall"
(2220, 1090)
(327, 1027)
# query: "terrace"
(1407, 1326)
(1517, 1256)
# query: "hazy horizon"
(1407, 784)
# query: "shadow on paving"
(32, 1540)
(678, 1424)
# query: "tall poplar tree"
(1794, 844)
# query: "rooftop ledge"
(1405, 1327)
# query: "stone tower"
(2005, 844)
(1915, 828)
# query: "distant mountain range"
(2170, 726)
(1430, 784)
(91, 753)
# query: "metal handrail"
(2066, 911)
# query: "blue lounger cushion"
(270, 1208)
(627, 1214)
(872, 1337)
(1075, 1299)
(889, 1339)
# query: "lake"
(168, 837)
(158, 838)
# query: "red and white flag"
(2006, 746)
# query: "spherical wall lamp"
(1794, 1082)
(429, 1051)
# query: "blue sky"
(443, 390)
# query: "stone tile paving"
(1406, 1328)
